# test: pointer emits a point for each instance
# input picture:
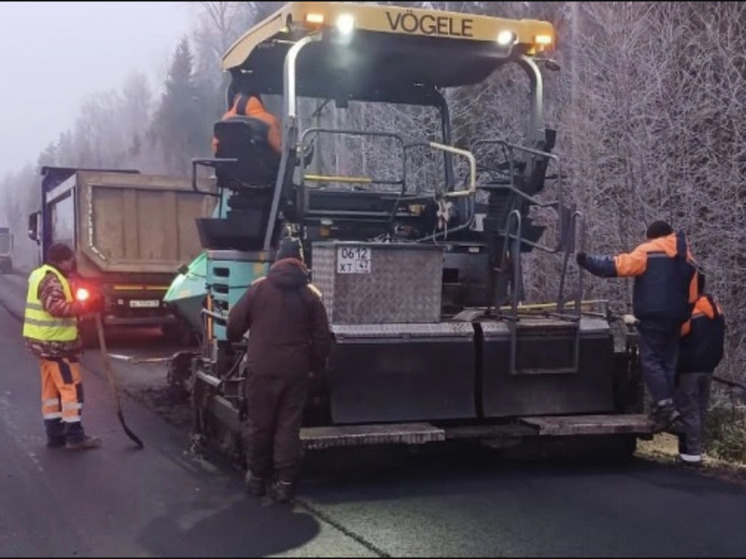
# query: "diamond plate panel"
(322, 273)
(403, 286)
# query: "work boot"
(85, 443)
(693, 461)
(283, 491)
(664, 416)
(254, 485)
(55, 433)
(55, 442)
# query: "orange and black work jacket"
(665, 278)
(702, 338)
(254, 108)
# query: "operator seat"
(245, 139)
(251, 178)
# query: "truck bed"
(132, 223)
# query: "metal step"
(314, 438)
(607, 424)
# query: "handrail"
(581, 270)
(516, 265)
(217, 316)
(554, 204)
(560, 297)
(514, 217)
(472, 188)
(337, 178)
(470, 191)
(213, 163)
(525, 149)
(546, 306)
(472, 168)
(532, 151)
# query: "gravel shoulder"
(663, 449)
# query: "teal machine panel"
(187, 292)
(229, 274)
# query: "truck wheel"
(177, 334)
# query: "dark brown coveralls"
(289, 337)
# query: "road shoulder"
(663, 449)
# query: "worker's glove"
(580, 258)
(630, 320)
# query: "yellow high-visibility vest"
(38, 324)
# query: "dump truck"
(130, 232)
(434, 338)
(6, 250)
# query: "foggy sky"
(55, 54)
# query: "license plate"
(145, 303)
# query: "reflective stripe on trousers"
(61, 390)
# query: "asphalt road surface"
(452, 501)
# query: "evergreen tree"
(181, 126)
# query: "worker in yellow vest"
(51, 330)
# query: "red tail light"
(82, 294)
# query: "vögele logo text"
(429, 24)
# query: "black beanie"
(59, 252)
(659, 229)
(290, 248)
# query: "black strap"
(715, 311)
(681, 245)
(243, 101)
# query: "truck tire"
(176, 333)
